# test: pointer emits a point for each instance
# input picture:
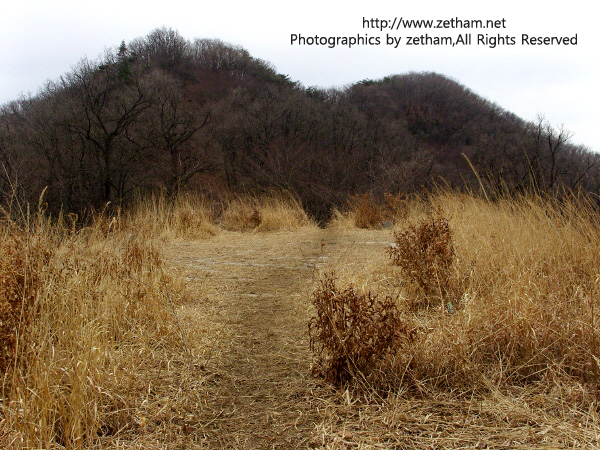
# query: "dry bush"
(271, 212)
(366, 211)
(101, 312)
(352, 333)
(425, 253)
(528, 273)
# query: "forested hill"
(163, 112)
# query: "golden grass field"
(185, 325)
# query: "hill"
(163, 112)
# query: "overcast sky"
(41, 40)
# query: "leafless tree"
(170, 127)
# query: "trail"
(251, 385)
(253, 307)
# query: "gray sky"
(41, 40)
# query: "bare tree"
(105, 110)
(170, 127)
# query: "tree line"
(163, 112)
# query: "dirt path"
(253, 307)
(250, 385)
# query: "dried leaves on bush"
(425, 253)
(352, 333)
(367, 212)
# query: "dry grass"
(98, 354)
(94, 354)
(274, 212)
(19, 283)
(527, 274)
(340, 221)
(365, 211)
(85, 310)
(519, 280)
(361, 211)
(194, 217)
(514, 363)
(187, 216)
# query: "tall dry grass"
(88, 311)
(270, 212)
(185, 216)
(194, 217)
(80, 311)
(526, 280)
(517, 306)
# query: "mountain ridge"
(164, 112)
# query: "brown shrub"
(425, 253)
(395, 207)
(367, 212)
(352, 333)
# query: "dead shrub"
(242, 214)
(367, 212)
(352, 333)
(425, 253)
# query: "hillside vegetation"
(166, 113)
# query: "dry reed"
(514, 362)
(272, 212)
(82, 308)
